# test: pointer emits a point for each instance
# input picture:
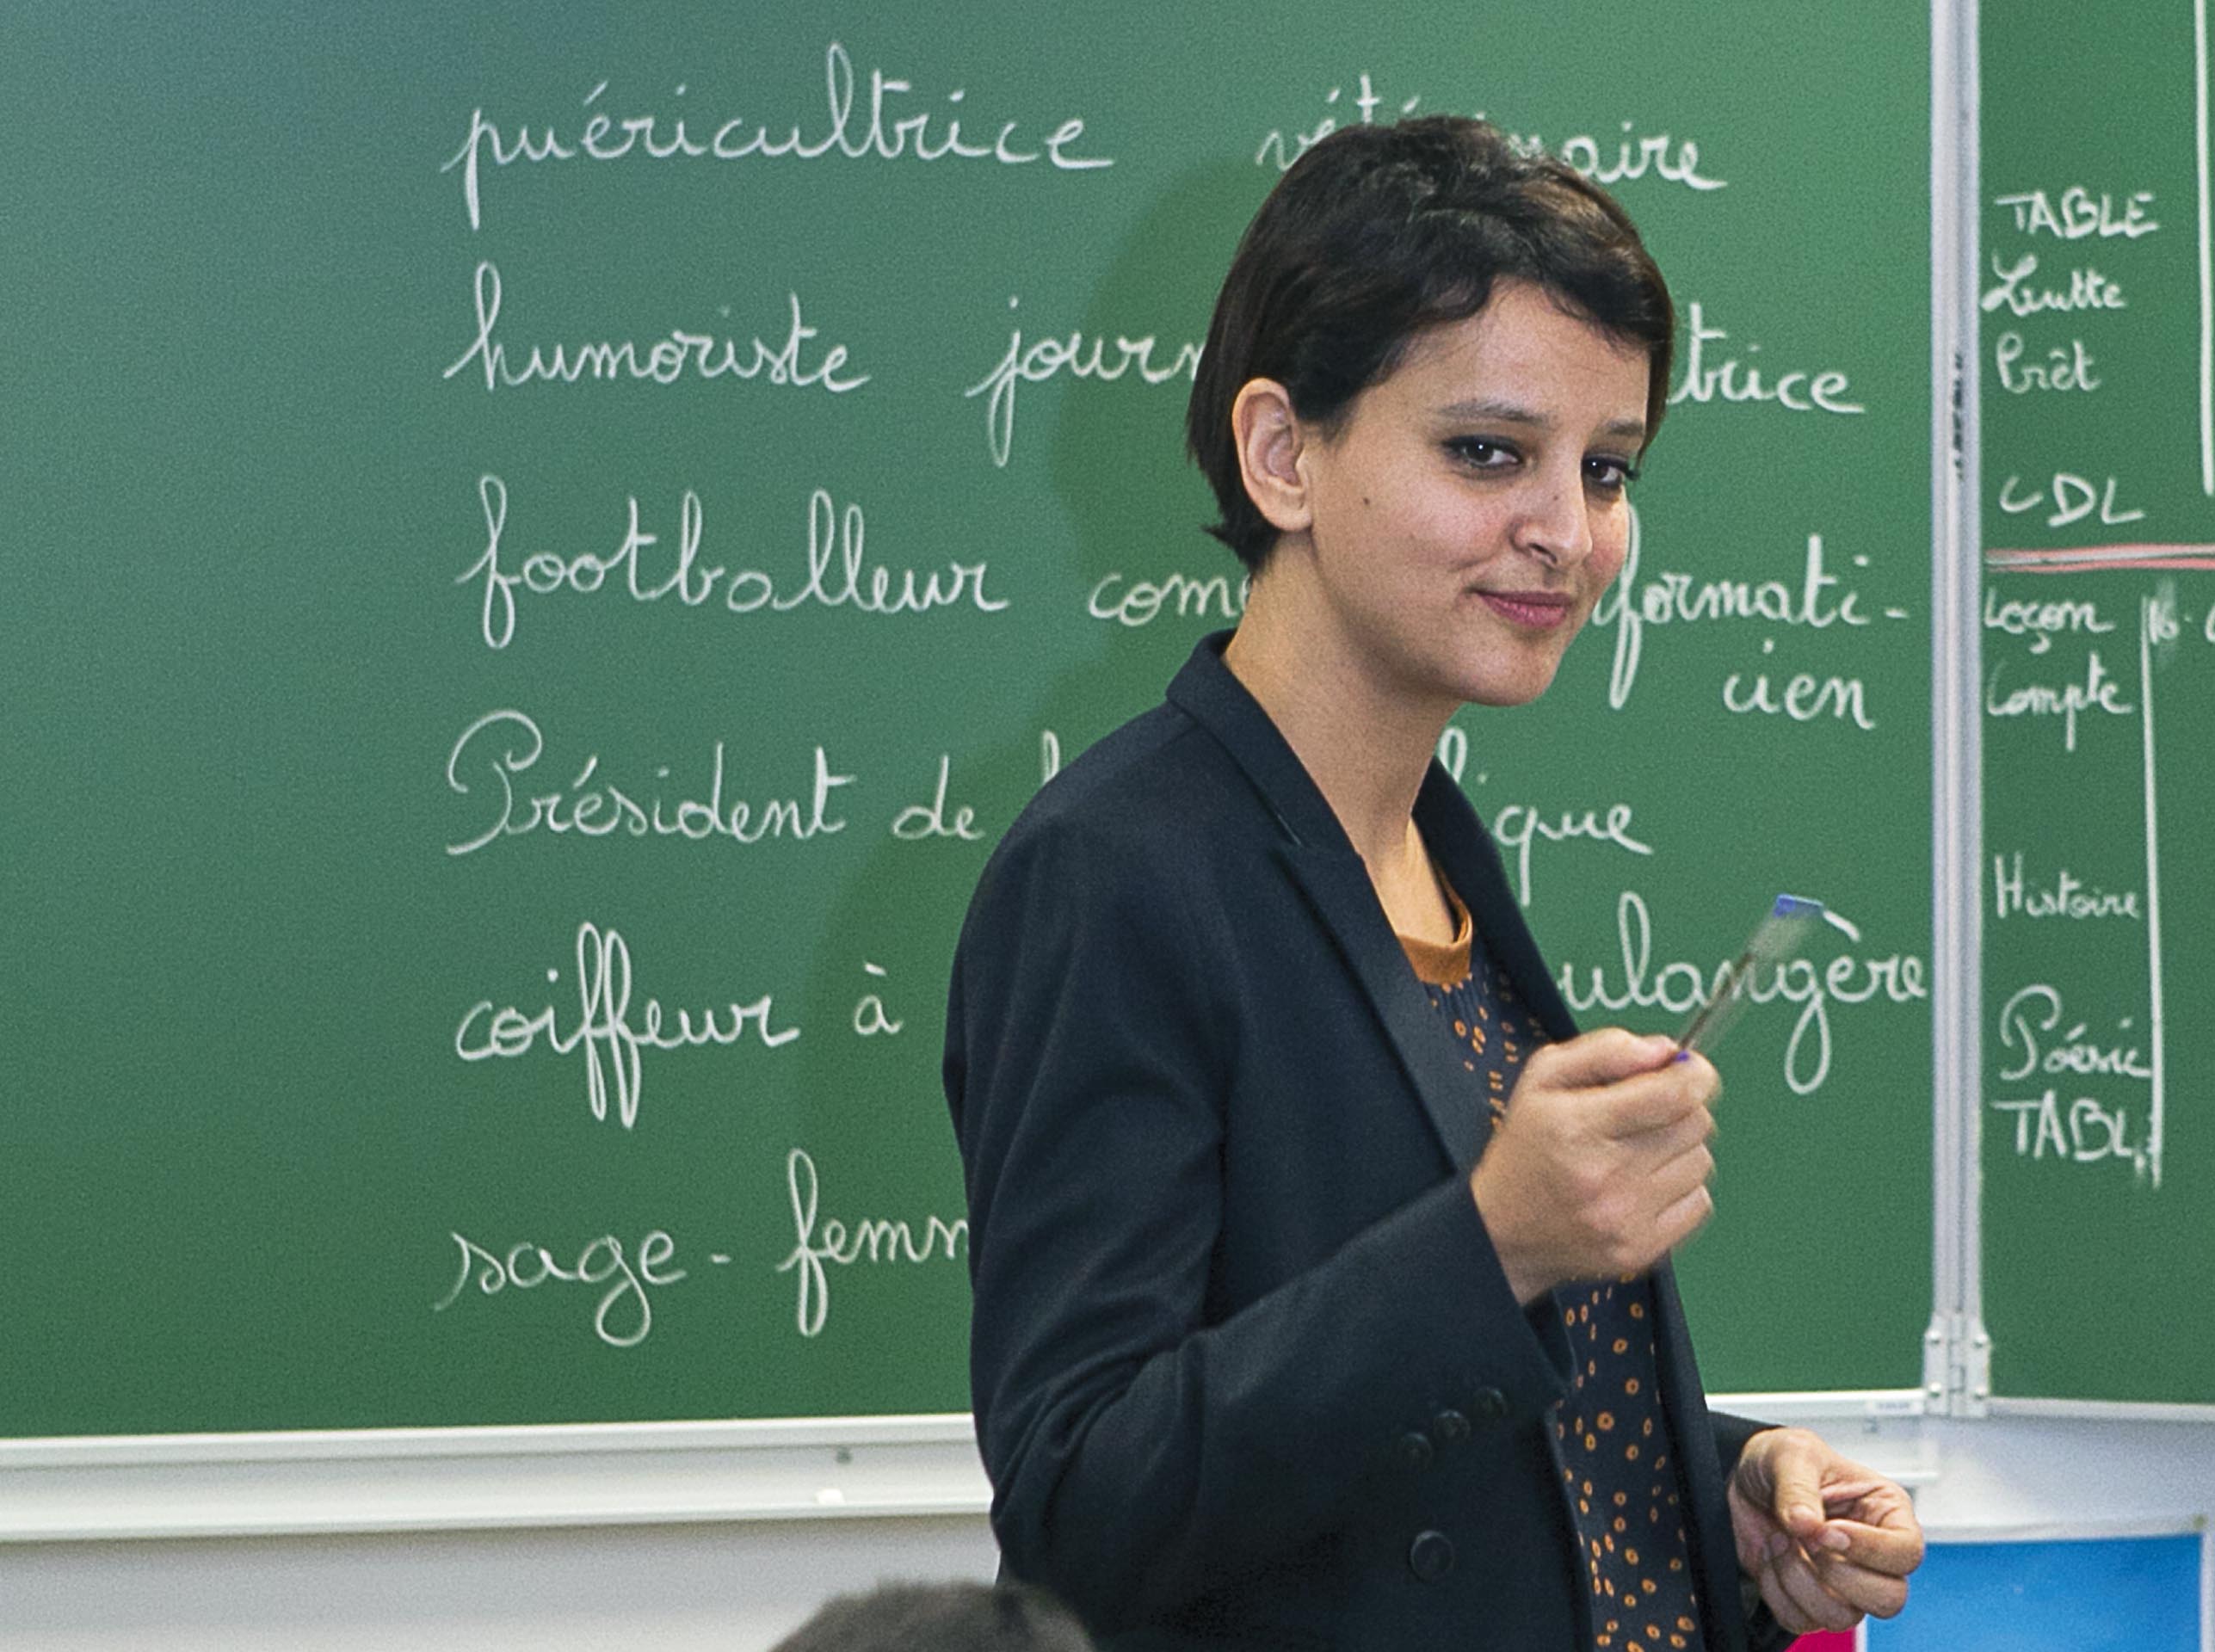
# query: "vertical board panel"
(2099, 646)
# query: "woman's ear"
(1269, 438)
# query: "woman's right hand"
(1601, 1165)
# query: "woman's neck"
(1365, 746)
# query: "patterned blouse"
(1611, 1439)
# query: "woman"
(1322, 1290)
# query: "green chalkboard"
(2098, 660)
(517, 647)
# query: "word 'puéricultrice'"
(1681, 985)
(1636, 155)
(663, 361)
(501, 747)
(890, 135)
(838, 575)
(613, 1049)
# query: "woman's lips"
(1536, 610)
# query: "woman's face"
(1470, 509)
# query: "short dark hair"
(941, 1618)
(1379, 233)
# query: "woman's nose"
(1555, 524)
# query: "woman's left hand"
(1828, 1540)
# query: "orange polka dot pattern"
(1617, 1458)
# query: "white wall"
(729, 1588)
(737, 1584)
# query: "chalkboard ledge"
(331, 1483)
(328, 1483)
(2100, 1410)
(630, 1473)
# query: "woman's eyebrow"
(1512, 413)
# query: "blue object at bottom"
(2103, 1595)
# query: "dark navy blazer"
(1246, 1370)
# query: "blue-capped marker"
(1779, 938)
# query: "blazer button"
(1450, 1426)
(1415, 1450)
(1430, 1557)
(1490, 1403)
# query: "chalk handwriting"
(2159, 617)
(2088, 289)
(1453, 752)
(2098, 692)
(1802, 698)
(923, 820)
(1818, 600)
(1044, 357)
(1276, 150)
(835, 1243)
(838, 573)
(1676, 987)
(1798, 391)
(891, 134)
(871, 1020)
(2066, 897)
(501, 747)
(613, 1049)
(2037, 1009)
(2093, 1133)
(2074, 499)
(1519, 827)
(626, 1313)
(2066, 366)
(2080, 214)
(1136, 602)
(2042, 621)
(1636, 154)
(662, 361)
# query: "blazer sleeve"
(1763, 1633)
(1142, 1452)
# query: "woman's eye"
(1609, 474)
(1483, 453)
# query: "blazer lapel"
(1463, 850)
(1337, 886)
(1321, 861)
